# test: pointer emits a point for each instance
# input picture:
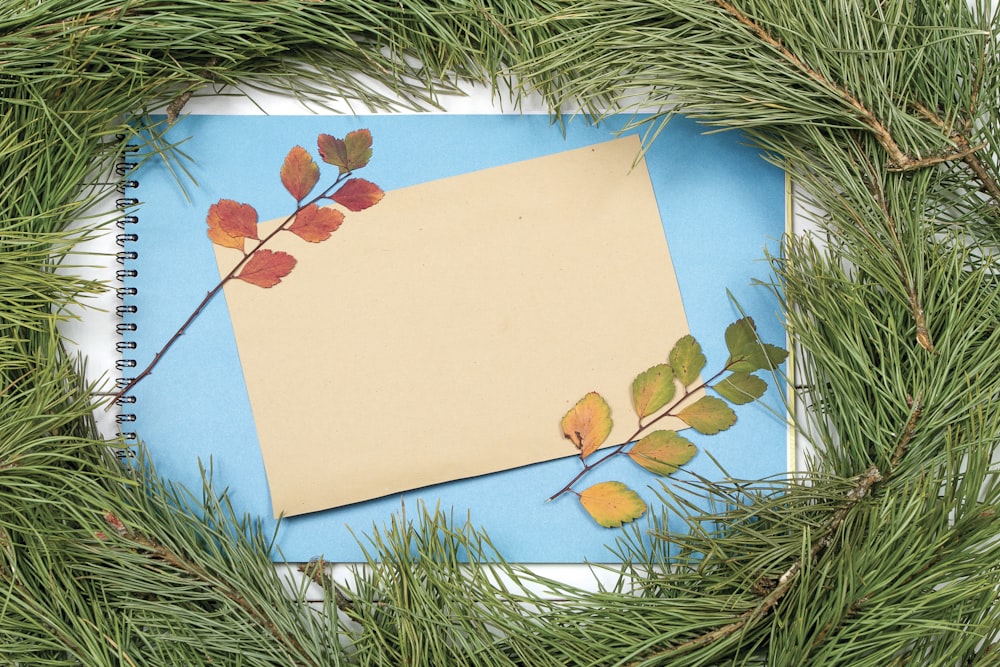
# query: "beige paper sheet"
(443, 333)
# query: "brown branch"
(899, 159)
(175, 107)
(163, 553)
(668, 411)
(866, 482)
(965, 152)
(882, 134)
(212, 293)
(917, 408)
(864, 486)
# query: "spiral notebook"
(427, 351)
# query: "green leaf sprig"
(666, 390)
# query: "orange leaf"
(663, 452)
(353, 152)
(612, 504)
(588, 423)
(299, 173)
(315, 224)
(219, 237)
(230, 222)
(267, 267)
(357, 194)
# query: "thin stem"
(218, 288)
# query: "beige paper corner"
(443, 333)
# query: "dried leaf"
(741, 387)
(588, 423)
(746, 352)
(652, 389)
(741, 335)
(299, 173)
(687, 359)
(708, 415)
(267, 267)
(116, 524)
(315, 224)
(229, 222)
(353, 152)
(663, 452)
(359, 148)
(219, 237)
(357, 194)
(612, 503)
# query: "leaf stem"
(218, 288)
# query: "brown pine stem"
(967, 153)
(923, 336)
(865, 484)
(899, 159)
(162, 553)
(212, 293)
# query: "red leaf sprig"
(232, 224)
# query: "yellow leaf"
(588, 423)
(663, 452)
(612, 504)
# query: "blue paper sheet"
(724, 205)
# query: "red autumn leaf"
(353, 152)
(267, 267)
(315, 224)
(299, 173)
(357, 194)
(229, 222)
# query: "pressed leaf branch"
(231, 224)
(654, 394)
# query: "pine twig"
(866, 483)
(899, 159)
(166, 555)
(966, 153)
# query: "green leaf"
(741, 387)
(741, 336)
(663, 452)
(612, 503)
(652, 389)
(708, 415)
(349, 154)
(687, 359)
(746, 352)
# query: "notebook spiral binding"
(126, 310)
